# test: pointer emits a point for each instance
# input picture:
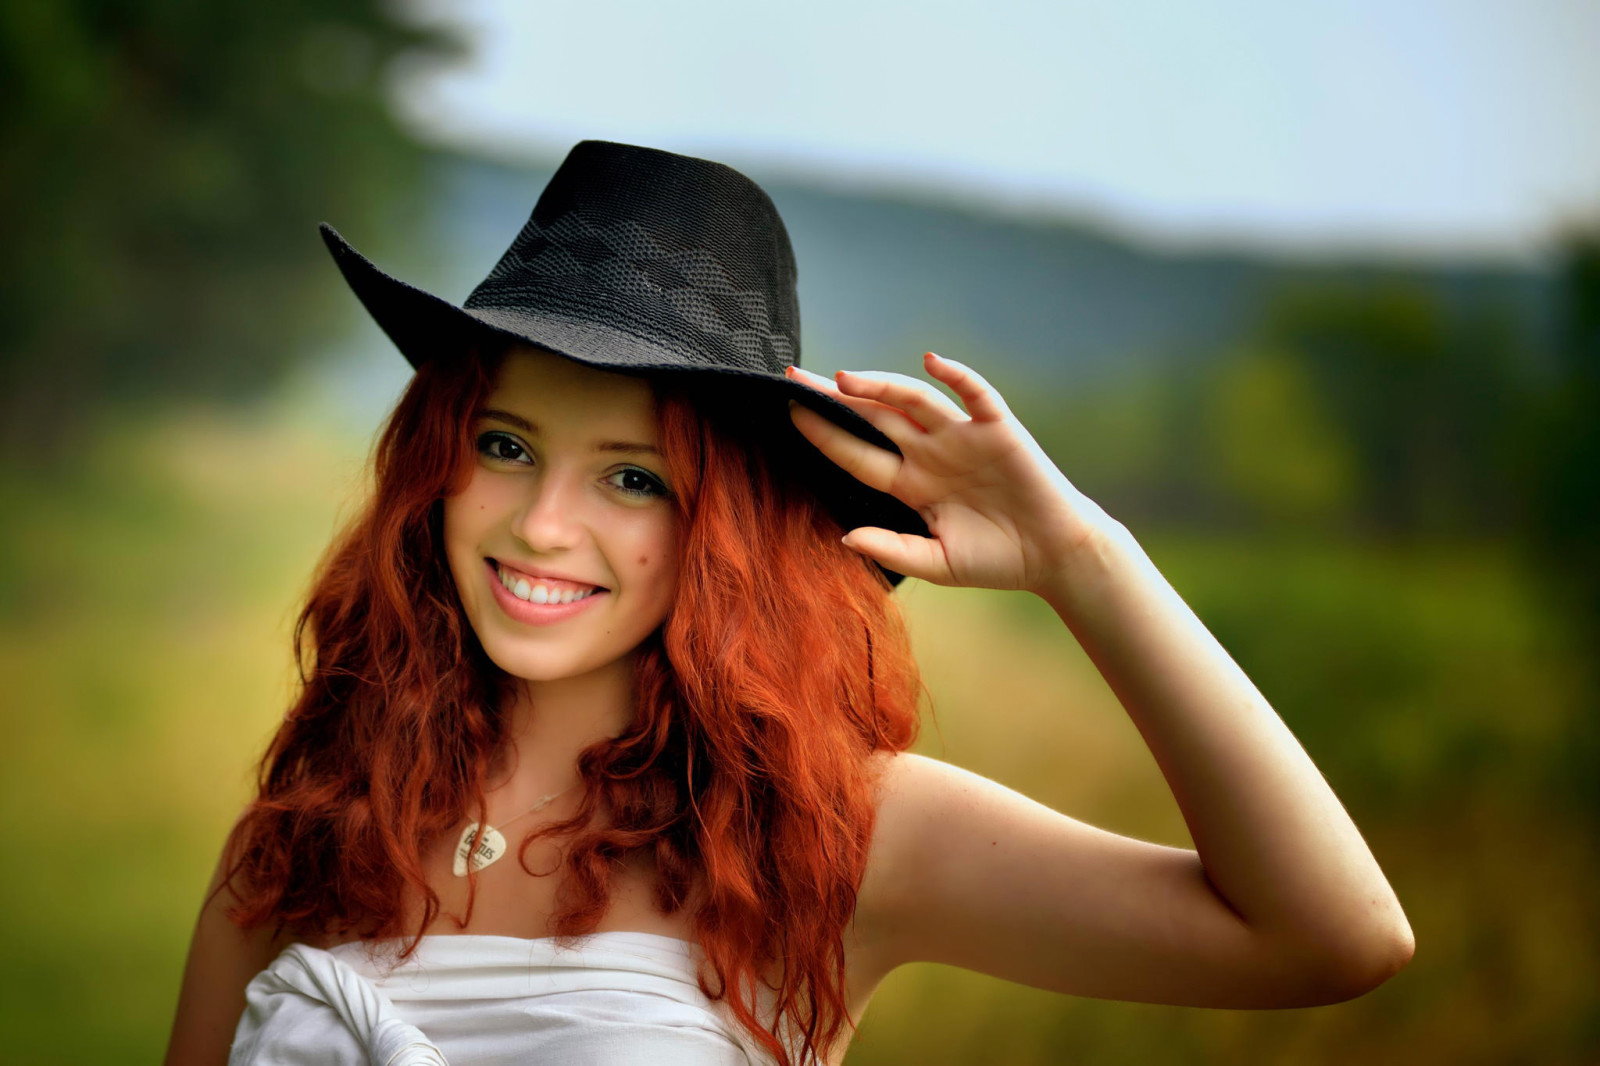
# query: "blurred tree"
(163, 164)
(1562, 483)
(1277, 453)
(1427, 399)
(1564, 473)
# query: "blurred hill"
(1055, 302)
(1208, 387)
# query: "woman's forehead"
(560, 393)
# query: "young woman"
(620, 608)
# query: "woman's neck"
(550, 722)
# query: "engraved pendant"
(491, 845)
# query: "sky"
(1454, 127)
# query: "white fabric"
(476, 1000)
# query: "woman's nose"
(551, 519)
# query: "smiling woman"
(627, 573)
(554, 526)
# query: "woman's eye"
(637, 482)
(502, 446)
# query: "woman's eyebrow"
(626, 446)
(629, 447)
(508, 418)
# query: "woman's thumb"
(904, 553)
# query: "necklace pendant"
(491, 845)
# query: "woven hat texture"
(642, 261)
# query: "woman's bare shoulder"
(222, 960)
(899, 778)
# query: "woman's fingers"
(918, 400)
(891, 422)
(906, 553)
(983, 402)
(871, 465)
(816, 381)
(929, 407)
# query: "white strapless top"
(478, 1000)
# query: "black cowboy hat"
(642, 261)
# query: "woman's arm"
(222, 960)
(1281, 903)
(1275, 843)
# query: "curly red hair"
(745, 773)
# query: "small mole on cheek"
(644, 560)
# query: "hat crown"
(686, 253)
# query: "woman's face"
(568, 497)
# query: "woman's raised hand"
(1001, 514)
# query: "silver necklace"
(490, 845)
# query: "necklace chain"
(539, 804)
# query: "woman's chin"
(527, 667)
(546, 664)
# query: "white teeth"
(523, 590)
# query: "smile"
(543, 591)
(538, 601)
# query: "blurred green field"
(146, 596)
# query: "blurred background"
(1308, 296)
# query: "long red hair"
(744, 774)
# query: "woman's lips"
(534, 614)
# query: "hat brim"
(424, 327)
